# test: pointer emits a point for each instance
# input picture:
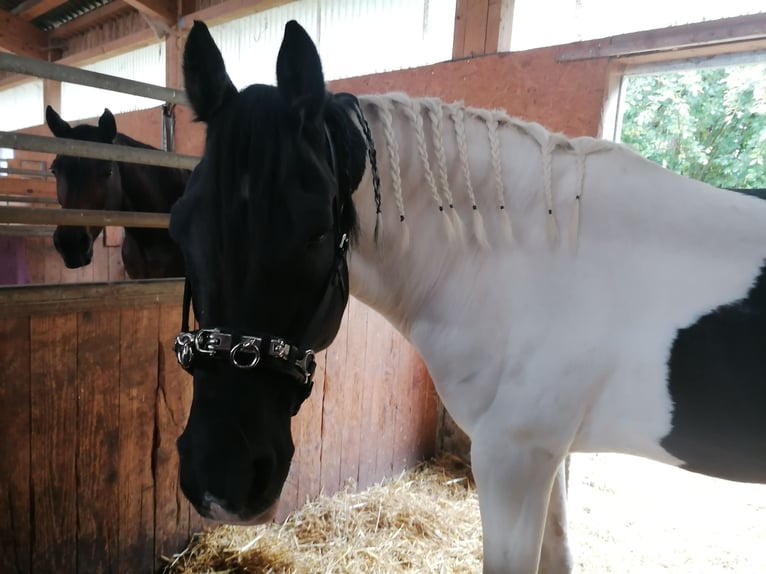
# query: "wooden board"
(53, 397)
(137, 397)
(15, 494)
(174, 394)
(353, 381)
(333, 417)
(98, 384)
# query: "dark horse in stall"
(83, 183)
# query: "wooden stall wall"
(92, 401)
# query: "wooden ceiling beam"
(31, 9)
(162, 10)
(21, 37)
(228, 10)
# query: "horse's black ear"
(107, 126)
(299, 72)
(208, 86)
(58, 127)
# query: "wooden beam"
(162, 10)
(21, 37)
(727, 30)
(90, 20)
(30, 188)
(37, 299)
(52, 94)
(31, 9)
(228, 10)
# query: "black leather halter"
(256, 350)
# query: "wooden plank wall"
(92, 401)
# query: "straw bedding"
(626, 515)
(425, 520)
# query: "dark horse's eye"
(54, 167)
(318, 239)
(107, 170)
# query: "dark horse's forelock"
(252, 157)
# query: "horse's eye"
(318, 239)
(108, 171)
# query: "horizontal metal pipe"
(62, 73)
(96, 150)
(83, 217)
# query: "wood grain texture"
(333, 418)
(98, 383)
(15, 492)
(137, 395)
(353, 382)
(173, 401)
(53, 398)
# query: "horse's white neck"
(454, 189)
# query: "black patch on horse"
(718, 388)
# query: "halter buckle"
(184, 350)
(308, 365)
(208, 341)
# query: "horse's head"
(83, 183)
(263, 226)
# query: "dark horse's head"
(83, 183)
(263, 226)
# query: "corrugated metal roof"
(61, 14)
(66, 12)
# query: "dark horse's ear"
(299, 73)
(107, 127)
(58, 127)
(208, 86)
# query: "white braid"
(492, 121)
(457, 112)
(395, 167)
(551, 225)
(433, 107)
(411, 109)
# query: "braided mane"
(435, 169)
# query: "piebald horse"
(566, 294)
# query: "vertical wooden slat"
(138, 387)
(100, 263)
(458, 41)
(353, 382)
(336, 384)
(492, 37)
(475, 27)
(98, 383)
(15, 495)
(309, 443)
(172, 510)
(53, 360)
(36, 259)
(54, 267)
(384, 364)
(406, 400)
(116, 267)
(373, 396)
(427, 413)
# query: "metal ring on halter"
(245, 347)
(183, 349)
(307, 364)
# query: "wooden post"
(482, 27)
(52, 94)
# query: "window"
(144, 65)
(22, 106)
(704, 120)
